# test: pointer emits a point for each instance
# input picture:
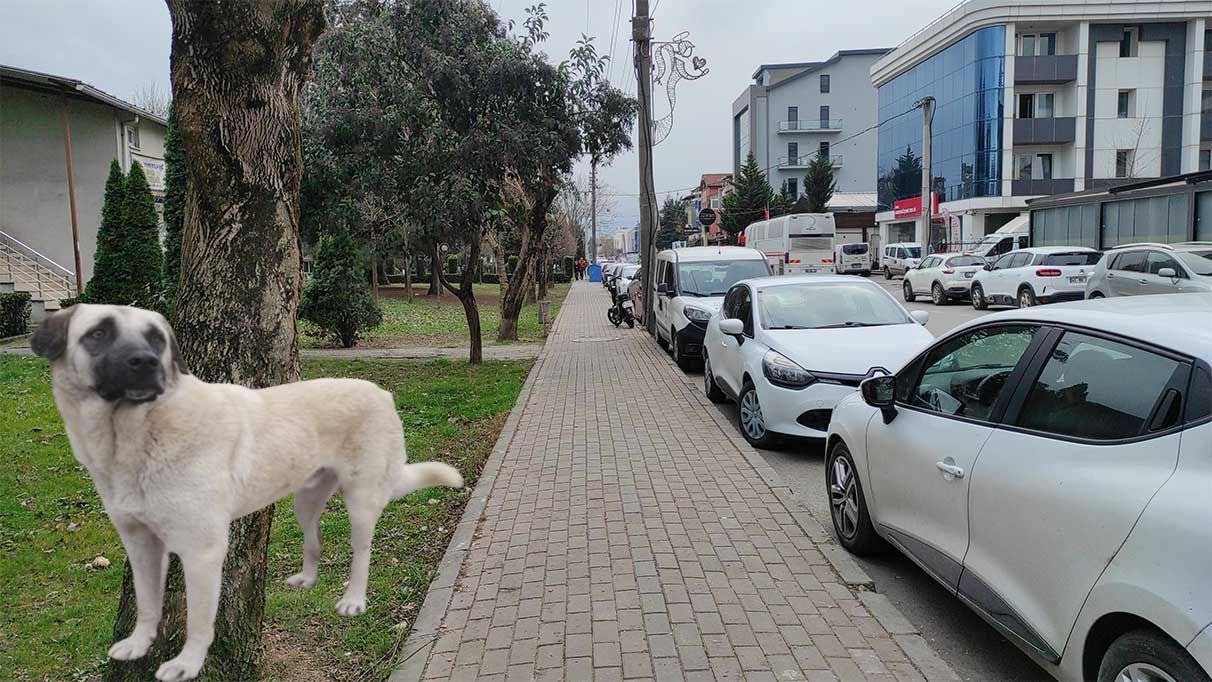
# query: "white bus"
(796, 243)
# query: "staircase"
(24, 269)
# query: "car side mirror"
(732, 326)
(920, 316)
(1167, 272)
(880, 392)
(988, 266)
(662, 288)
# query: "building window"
(824, 117)
(715, 201)
(793, 187)
(1043, 105)
(1047, 44)
(1027, 45)
(824, 82)
(1123, 162)
(1026, 106)
(1205, 159)
(1126, 104)
(1128, 43)
(1205, 102)
(132, 136)
(823, 150)
(1045, 166)
(793, 116)
(793, 153)
(1024, 167)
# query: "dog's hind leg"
(148, 562)
(364, 513)
(309, 505)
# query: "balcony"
(1035, 188)
(797, 162)
(1061, 130)
(1045, 69)
(833, 125)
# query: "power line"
(613, 37)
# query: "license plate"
(1077, 280)
(627, 305)
(968, 275)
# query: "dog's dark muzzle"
(133, 374)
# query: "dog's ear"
(50, 339)
(174, 352)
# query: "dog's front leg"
(148, 562)
(203, 568)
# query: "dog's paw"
(130, 648)
(301, 580)
(351, 607)
(178, 669)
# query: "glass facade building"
(966, 80)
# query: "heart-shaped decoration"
(699, 63)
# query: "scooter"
(622, 311)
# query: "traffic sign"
(707, 216)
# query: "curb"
(426, 629)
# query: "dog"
(175, 460)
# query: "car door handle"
(950, 469)
(1142, 281)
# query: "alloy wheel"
(1025, 299)
(843, 497)
(751, 416)
(1143, 672)
(937, 294)
(707, 378)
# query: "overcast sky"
(121, 46)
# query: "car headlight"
(781, 371)
(696, 314)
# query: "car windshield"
(854, 249)
(1200, 262)
(828, 305)
(715, 278)
(630, 270)
(914, 251)
(960, 261)
(1076, 258)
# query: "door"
(1154, 283)
(1055, 495)
(919, 464)
(1125, 274)
(727, 355)
(664, 276)
(918, 277)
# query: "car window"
(713, 278)
(964, 376)
(1199, 262)
(728, 309)
(854, 249)
(900, 253)
(668, 278)
(1133, 261)
(745, 309)
(960, 261)
(1156, 260)
(1096, 389)
(1199, 394)
(1075, 258)
(1003, 262)
(1018, 260)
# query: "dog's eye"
(97, 334)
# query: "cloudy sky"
(122, 46)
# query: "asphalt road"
(973, 649)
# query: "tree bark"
(435, 270)
(466, 295)
(237, 69)
(531, 235)
(408, 277)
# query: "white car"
(1051, 467)
(609, 271)
(900, 258)
(788, 348)
(942, 277)
(1043, 274)
(622, 280)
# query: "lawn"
(56, 613)
(438, 321)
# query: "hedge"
(14, 313)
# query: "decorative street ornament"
(673, 60)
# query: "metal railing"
(806, 125)
(804, 160)
(28, 270)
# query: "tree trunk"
(236, 70)
(466, 295)
(408, 277)
(435, 270)
(521, 283)
(498, 254)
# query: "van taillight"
(1047, 273)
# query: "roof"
(815, 65)
(711, 179)
(1182, 322)
(866, 201)
(1124, 188)
(710, 253)
(39, 80)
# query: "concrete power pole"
(593, 213)
(923, 226)
(641, 33)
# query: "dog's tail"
(414, 477)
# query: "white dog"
(176, 459)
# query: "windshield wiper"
(854, 324)
(787, 326)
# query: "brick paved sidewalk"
(621, 531)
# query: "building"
(792, 112)
(709, 194)
(625, 241)
(1040, 98)
(39, 113)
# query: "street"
(974, 649)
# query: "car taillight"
(1047, 273)
(948, 272)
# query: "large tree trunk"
(408, 277)
(466, 295)
(237, 69)
(522, 282)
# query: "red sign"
(912, 207)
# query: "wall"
(1142, 132)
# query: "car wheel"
(907, 291)
(937, 295)
(710, 387)
(1095, 294)
(1026, 297)
(750, 419)
(887, 274)
(1147, 656)
(978, 297)
(684, 363)
(847, 505)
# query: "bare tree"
(152, 99)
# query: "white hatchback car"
(1043, 274)
(942, 277)
(788, 348)
(1052, 468)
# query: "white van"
(1012, 236)
(801, 242)
(899, 258)
(852, 258)
(690, 287)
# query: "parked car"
(609, 271)
(788, 348)
(853, 258)
(690, 286)
(900, 258)
(1042, 274)
(1136, 269)
(623, 278)
(1015, 234)
(1051, 466)
(942, 277)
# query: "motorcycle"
(622, 311)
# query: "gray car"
(1138, 269)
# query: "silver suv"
(1137, 269)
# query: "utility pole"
(593, 212)
(923, 226)
(641, 33)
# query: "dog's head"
(118, 352)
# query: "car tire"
(1095, 294)
(847, 504)
(978, 298)
(1142, 654)
(866, 273)
(887, 273)
(907, 292)
(684, 363)
(1026, 297)
(710, 386)
(750, 420)
(937, 295)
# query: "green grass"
(56, 614)
(430, 322)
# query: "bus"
(796, 243)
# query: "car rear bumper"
(1055, 296)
